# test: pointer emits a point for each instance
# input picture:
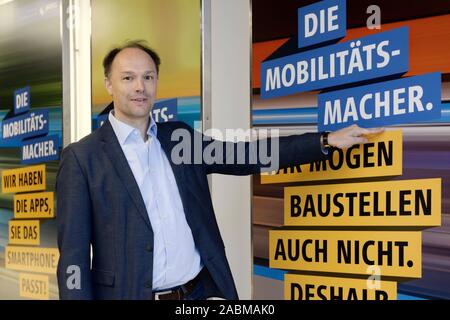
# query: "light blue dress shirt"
(175, 257)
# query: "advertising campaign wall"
(371, 222)
(31, 138)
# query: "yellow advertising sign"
(25, 232)
(385, 203)
(26, 179)
(302, 287)
(29, 259)
(34, 286)
(380, 157)
(34, 205)
(391, 253)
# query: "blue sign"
(321, 21)
(40, 150)
(405, 100)
(22, 100)
(369, 57)
(32, 124)
(165, 110)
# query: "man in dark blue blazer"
(136, 223)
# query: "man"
(150, 222)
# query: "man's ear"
(108, 86)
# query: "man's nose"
(139, 85)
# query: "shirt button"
(148, 284)
(149, 248)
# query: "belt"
(177, 293)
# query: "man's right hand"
(349, 136)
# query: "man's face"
(132, 83)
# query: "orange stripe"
(261, 51)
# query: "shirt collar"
(123, 130)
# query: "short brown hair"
(139, 44)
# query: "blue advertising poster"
(165, 110)
(40, 150)
(22, 100)
(379, 55)
(32, 124)
(320, 22)
(406, 100)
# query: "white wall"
(226, 104)
(76, 40)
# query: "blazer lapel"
(111, 147)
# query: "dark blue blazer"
(99, 204)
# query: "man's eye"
(149, 77)
(127, 78)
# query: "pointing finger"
(359, 140)
(370, 131)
